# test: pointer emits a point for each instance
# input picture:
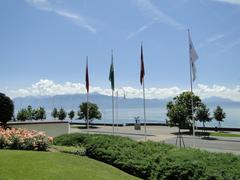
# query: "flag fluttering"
(111, 74)
(87, 77)
(142, 71)
(111, 79)
(193, 71)
(193, 57)
(142, 74)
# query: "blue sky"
(44, 44)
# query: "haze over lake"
(128, 108)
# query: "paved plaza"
(168, 135)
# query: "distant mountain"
(72, 101)
(217, 99)
(214, 101)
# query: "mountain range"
(72, 101)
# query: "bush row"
(23, 139)
(150, 160)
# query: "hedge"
(151, 160)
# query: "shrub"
(73, 139)
(77, 150)
(24, 139)
(151, 160)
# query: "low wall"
(51, 128)
(95, 124)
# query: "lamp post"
(124, 97)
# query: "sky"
(44, 44)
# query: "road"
(167, 135)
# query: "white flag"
(193, 57)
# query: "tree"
(6, 109)
(30, 113)
(182, 104)
(62, 114)
(203, 114)
(93, 112)
(219, 115)
(176, 115)
(71, 114)
(22, 115)
(54, 113)
(40, 113)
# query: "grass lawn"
(31, 165)
(223, 134)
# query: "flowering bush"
(24, 139)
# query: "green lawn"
(224, 134)
(30, 165)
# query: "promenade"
(167, 135)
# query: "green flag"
(111, 74)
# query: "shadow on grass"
(189, 133)
(203, 134)
(209, 138)
(84, 127)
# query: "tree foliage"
(203, 114)
(22, 115)
(219, 114)
(40, 113)
(62, 114)
(54, 113)
(177, 114)
(31, 114)
(179, 110)
(6, 109)
(93, 111)
(71, 114)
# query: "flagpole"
(113, 111)
(144, 111)
(193, 120)
(142, 74)
(87, 97)
(191, 84)
(87, 110)
(112, 84)
(117, 109)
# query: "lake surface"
(158, 115)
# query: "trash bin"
(137, 125)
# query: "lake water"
(158, 115)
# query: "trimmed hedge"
(151, 160)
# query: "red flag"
(142, 72)
(87, 77)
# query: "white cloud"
(78, 19)
(219, 91)
(48, 5)
(47, 87)
(212, 39)
(41, 4)
(69, 15)
(227, 47)
(141, 29)
(156, 15)
(234, 2)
